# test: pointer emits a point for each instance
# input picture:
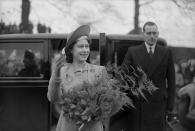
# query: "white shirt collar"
(148, 47)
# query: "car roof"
(37, 36)
(64, 36)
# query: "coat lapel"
(147, 63)
(156, 59)
(143, 58)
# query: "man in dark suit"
(157, 62)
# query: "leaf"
(83, 102)
(142, 94)
(72, 106)
(84, 117)
(77, 113)
(78, 122)
(85, 111)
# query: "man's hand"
(171, 116)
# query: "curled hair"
(68, 51)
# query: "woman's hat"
(83, 30)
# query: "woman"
(71, 70)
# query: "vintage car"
(25, 69)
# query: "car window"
(22, 59)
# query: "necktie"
(150, 51)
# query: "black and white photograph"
(97, 65)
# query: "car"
(26, 61)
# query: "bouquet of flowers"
(88, 102)
(131, 79)
(93, 102)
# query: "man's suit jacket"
(160, 70)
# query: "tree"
(138, 4)
(137, 29)
(8, 29)
(41, 28)
(25, 25)
(188, 6)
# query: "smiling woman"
(71, 70)
(81, 49)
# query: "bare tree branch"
(186, 6)
(176, 2)
(146, 3)
(55, 5)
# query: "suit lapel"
(143, 58)
(156, 59)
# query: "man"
(157, 62)
(30, 68)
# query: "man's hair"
(149, 23)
